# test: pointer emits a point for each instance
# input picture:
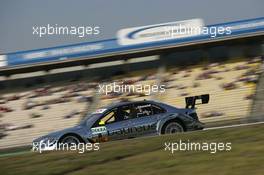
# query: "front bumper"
(44, 144)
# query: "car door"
(113, 125)
(144, 119)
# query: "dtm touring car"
(126, 120)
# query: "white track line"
(232, 126)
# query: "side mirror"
(101, 122)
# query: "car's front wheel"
(70, 139)
(172, 128)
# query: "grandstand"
(42, 110)
(29, 113)
(231, 87)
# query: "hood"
(58, 134)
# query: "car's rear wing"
(191, 101)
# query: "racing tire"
(172, 128)
(70, 139)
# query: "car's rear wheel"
(173, 127)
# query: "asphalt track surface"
(211, 128)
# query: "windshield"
(91, 116)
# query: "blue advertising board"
(116, 46)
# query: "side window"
(142, 110)
(124, 112)
(117, 114)
(109, 117)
